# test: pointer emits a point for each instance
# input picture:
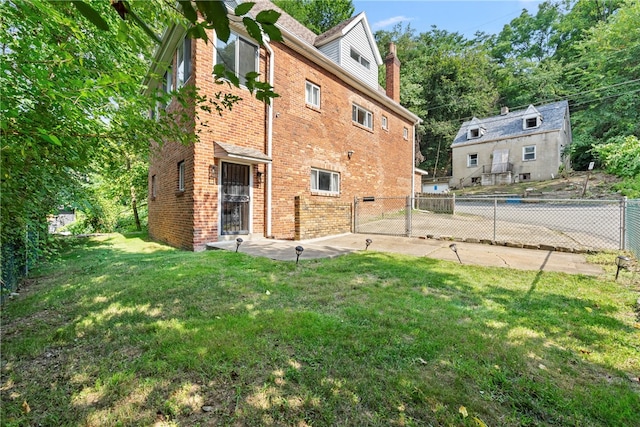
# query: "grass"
(122, 331)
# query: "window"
(181, 176)
(167, 81)
(385, 123)
(312, 94)
(405, 133)
(238, 55)
(153, 187)
(531, 122)
(362, 116)
(475, 180)
(472, 160)
(325, 181)
(184, 62)
(525, 177)
(358, 58)
(529, 153)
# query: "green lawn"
(122, 331)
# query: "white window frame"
(181, 176)
(405, 133)
(360, 113)
(183, 59)
(312, 94)
(525, 122)
(526, 151)
(470, 160)
(356, 56)
(334, 182)
(385, 122)
(235, 67)
(475, 132)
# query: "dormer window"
(358, 58)
(531, 122)
(475, 132)
(532, 118)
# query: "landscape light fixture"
(454, 248)
(299, 250)
(238, 243)
(367, 243)
(259, 177)
(622, 262)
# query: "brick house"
(524, 145)
(289, 170)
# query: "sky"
(462, 16)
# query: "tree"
(73, 107)
(445, 78)
(606, 80)
(318, 15)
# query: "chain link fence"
(572, 225)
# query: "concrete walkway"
(470, 253)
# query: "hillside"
(599, 186)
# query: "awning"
(234, 152)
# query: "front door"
(235, 198)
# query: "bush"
(620, 156)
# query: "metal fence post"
(355, 214)
(623, 223)
(408, 216)
(495, 214)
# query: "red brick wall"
(303, 138)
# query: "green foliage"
(318, 15)
(620, 156)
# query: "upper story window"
(184, 62)
(325, 181)
(312, 94)
(531, 122)
(360, 59)
(362, 116)
(154, 190)
(238, 55)
(385, 123)
(475, 132)
(529, 153)
(472, 160)
(167, 81)
(405, 133)
(181, 176)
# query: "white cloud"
(389, 22)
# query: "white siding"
(357, 38)
(332, 50)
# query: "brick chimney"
(392, 64)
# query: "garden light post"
(622, 262)
(299, 250)
(367, 243)
(454, 248)
(238, 243)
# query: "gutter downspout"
(269, 166)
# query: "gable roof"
(343, 29)
(510, 125)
